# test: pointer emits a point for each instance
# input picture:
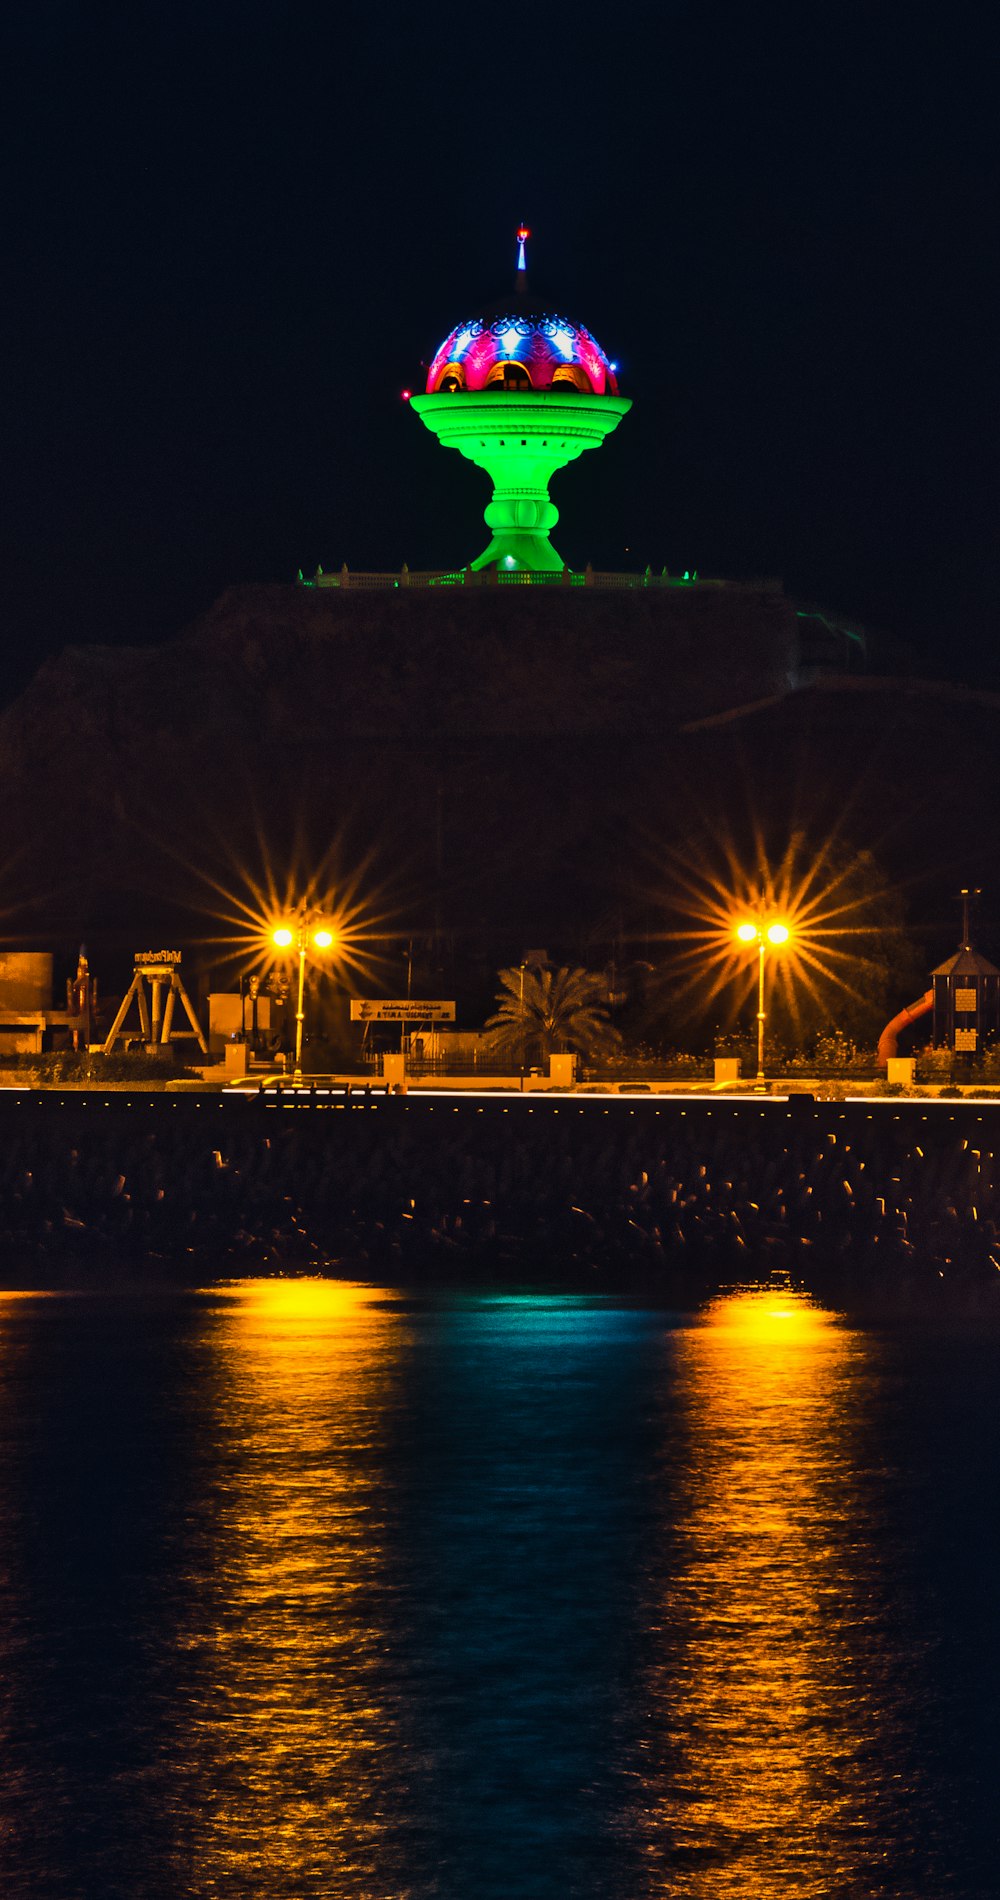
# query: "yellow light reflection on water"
(268, 1312)
(294, 1729)
(764, 1699)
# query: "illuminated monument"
(521, 392)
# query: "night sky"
(232, 233)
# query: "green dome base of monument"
(520, 439)
(522, 548)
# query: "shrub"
(640, 1060)
(78, 1065)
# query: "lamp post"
(300, 933)
(775, 933)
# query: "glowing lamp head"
(283, 937)
(778, 933)
(323, 939)
(747, 933)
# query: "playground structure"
(964, 996)
(161, 970)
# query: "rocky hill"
(509, 765)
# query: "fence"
(430, 1066)
(371, 582)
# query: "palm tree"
(544, 1011)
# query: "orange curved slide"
(890, 1035)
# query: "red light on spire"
(522, 233)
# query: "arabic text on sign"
(373, 1010)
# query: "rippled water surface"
(310, 1589)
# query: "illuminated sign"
(156, 956)
(365, 1010)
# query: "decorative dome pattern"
(522, 350)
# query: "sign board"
(364, 1010)
(166, 957)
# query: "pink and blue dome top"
(515, 347)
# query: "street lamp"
(776, 934)
(301, 933)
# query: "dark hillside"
(511, 760)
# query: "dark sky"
(232, 232)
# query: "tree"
(543, 1012)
